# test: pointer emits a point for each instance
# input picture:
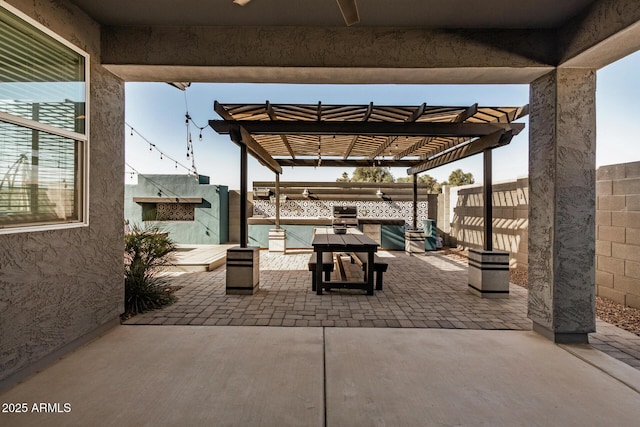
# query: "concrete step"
(198, 258)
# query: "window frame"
(82, 139)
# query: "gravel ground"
(626, 318)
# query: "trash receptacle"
(430, 234)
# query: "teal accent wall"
(431, 234)
(211, 220)
(298, 236)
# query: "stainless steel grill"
(344, 217)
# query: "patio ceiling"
(418, 137)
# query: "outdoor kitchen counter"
(321, 221)
(300, 230)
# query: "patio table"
(325, 240)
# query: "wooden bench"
(379, 266)
(327, 267)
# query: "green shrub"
(146, 251)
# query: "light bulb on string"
(160, 155)
(131, 131)
(176, 165)
(150, 149)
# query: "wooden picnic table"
(325, 240)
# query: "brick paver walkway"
(419, 292)
(616, 342)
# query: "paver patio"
(419, 292)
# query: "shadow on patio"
(419, 292)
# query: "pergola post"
(414, 238)
(488, 269)
(277, 236)
(488, 202)
(243, 196)
(415, 201)
(243, 262)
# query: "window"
(43, 127)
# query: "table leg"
(318, 273)
(370, 267)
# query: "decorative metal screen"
(175, 212)
(324, 208)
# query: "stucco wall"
(510, 218)
(210, 224)
(57, 287)
(618, 233)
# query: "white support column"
(562, 204)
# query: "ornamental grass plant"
(147, 250)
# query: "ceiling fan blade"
(349, 11)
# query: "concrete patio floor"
(421, 352)
(311, 376)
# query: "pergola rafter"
(273, 116)
(355, 138)
(391, 139)
(419, 138)
(364, 135)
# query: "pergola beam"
(256, 150)
(273, 116)
(348, 163)
(256, 127)
(496, 139)
(221, 111)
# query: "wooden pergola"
(419, 138)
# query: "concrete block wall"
(617, 251)
(510, 218)
(618, 233)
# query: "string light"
(164, 155)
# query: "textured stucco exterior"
(606, 30)
(562, 202)
(59, 286)
(210, 225)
